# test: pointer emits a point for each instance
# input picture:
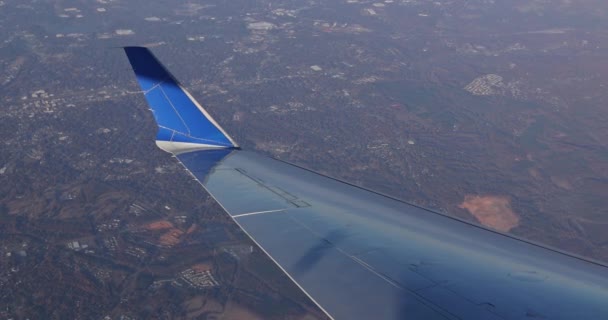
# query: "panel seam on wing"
(175, 109)
(145, 92)
(256, 213)
(201, 140)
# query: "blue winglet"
(183, 123)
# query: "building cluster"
(136, 252)
(485, 85)
(112, 225)
(110, 243)
(198, 279)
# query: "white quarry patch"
(370, 11)
(40, 93)
(196, 38)
(261, 25)
(152, 19)
(370, 79)
(121, 160)
(284, 12)
(552, 31)
(154, 44)
(124, 32)
(316, 68)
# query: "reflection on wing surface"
(364, 255)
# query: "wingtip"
(182, 120)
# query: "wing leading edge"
(362, 255)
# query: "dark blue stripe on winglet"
(176, 114)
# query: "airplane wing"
(359, 254)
